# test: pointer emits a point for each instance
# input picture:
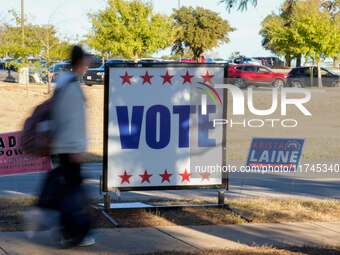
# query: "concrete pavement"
(182, 238)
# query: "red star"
(167, 77)
(207, 77)
(125, 177)
(147, 78)
(185, 176)
(205, 176)
(145, 177)
(126, 78)
(187, 78)
(165, 176)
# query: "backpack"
(38, 131)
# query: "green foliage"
(277, 36)
(199, 30)
(51, 47)
(303, 27)
(130, 29)
(12, 45)
(312, 28)
(40, 42)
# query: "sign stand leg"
(221, 194)
(107, 207)
(221, 203)
(107, 202)
(238, 213)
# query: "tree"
(311, 27)
(278, 38)
(40, 42)
(333, 6)
(199, 30)
(11, 44)
(129, 28)
(304, 29)
(51, 46)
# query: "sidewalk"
(181, 238)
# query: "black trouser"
(71, 171)
(75, 218)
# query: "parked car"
(263, 60)
(216, 60)
(57, 69)
(96, 75)
(150, 60)
(300, 77)
(245, 75)
(94, 61)
(274, 62)
(243, 60)
(193, 60)
(9, 73)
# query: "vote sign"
(275, 154)
(155, 132)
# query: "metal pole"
(22, 23)
(179, 7)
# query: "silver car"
(244, 60)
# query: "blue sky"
(70, 18)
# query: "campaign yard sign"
(14, 161)
(156, 131)
(275, 154)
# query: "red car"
(244, 75)
(192, 60)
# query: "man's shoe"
(87, 241)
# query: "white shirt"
(69, 117)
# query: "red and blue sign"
(275, 154)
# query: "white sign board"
(157, 134)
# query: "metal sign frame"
(104, 181)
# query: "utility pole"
(179, 7)
(22, 23)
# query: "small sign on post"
(24, 75)
(14, 161)
(275, 154)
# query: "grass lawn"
(259, 210)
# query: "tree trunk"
(48, 78)
(197, 56)
(289, 63)
(136, 57)
(336, 62)
(298, 61)
(284, 61)
(103, 60)
(319, 75)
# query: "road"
(292, 185)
